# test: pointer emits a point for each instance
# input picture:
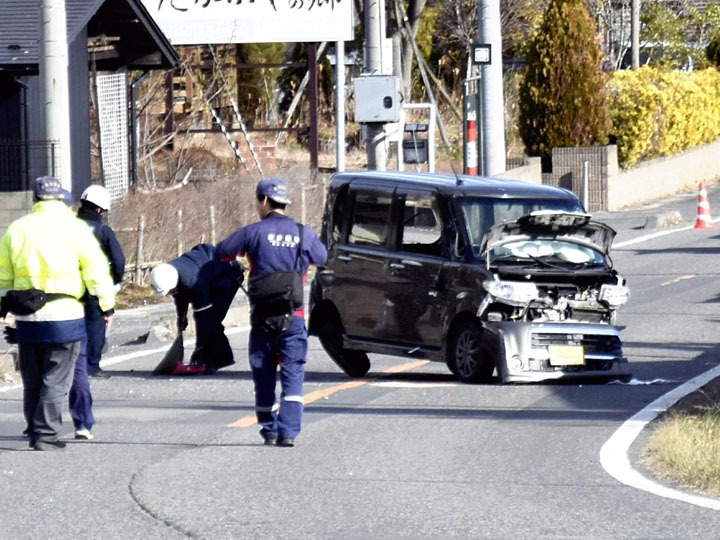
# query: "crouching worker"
(209, 285)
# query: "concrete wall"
(664, 176)
(13, 205)
(612, 188)
(530, 171)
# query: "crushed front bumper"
(533, 352)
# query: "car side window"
(371, 219)
(421, 226)
(338, 214)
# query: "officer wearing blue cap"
(279, 251)
(48, 260)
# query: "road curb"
(614, 453)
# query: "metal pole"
(54, 82)
(134, 135)
(139, 251)
(313, 70)
(303, 210)
(635, 33)
(480, 115)
(493, 123)
(179, 232)
(339, 106)
(212, 224)
(465, 130)
(376, 151)
(431, 139)
(586, 187)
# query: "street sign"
(481, 54)
(199, 22)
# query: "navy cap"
(47, 188)
(66, 196)
(273, 188)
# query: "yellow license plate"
(566, 355)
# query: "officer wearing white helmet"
(164, 279)
(209, 285)
(94, 203)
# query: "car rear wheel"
(353, 363)
(467, 359)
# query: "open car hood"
(551, 225)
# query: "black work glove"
(10, 335)
(238, 271)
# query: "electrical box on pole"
(377, 98)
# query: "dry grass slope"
(685, 446)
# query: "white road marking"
(614, 453)
(114, 360)
(641, 239)
(639, 382)
(139, 354)
(411, 384)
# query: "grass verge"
(685, 446)
(131, 296)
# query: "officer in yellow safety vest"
(48, 259)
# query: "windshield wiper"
(547, 264)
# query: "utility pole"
(635, 33)
(340, 106)
(54, 94)
(374, 32)
(493, 118)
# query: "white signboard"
(199, 22)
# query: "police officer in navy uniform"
(94, 202)
(278, 250)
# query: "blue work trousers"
(95, 326)
(80, 398)
(212, 345)
(287, 349)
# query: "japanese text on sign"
(194, 22)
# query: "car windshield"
(548, 253)
(481, 213)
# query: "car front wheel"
(467, 359)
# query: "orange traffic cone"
(704, 220)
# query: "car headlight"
(516, 292)
(614, 295)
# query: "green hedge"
(658, 113)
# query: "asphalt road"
(405, 453)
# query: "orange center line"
(247, 421)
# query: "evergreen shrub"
(657, 112)
(712, 52)
(563, 95)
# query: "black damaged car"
(489, 276)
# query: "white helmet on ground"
(97, 195)
(163, 278)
